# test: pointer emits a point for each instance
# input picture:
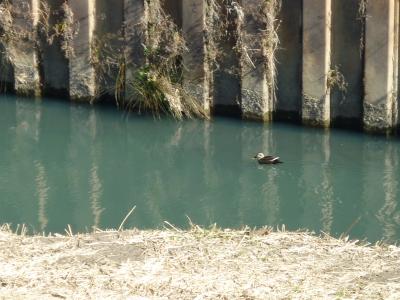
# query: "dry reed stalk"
(121, 226)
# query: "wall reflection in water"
(66, 164)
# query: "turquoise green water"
(67, 164)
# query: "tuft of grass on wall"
(157, 85)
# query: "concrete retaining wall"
(336, 64)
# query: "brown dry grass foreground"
(195, 264)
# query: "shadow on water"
(71, 164)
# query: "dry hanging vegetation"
(11, 32)
(14, 37)
(253, 28)
(64, 29)
(156, 83)
(108, 61)
(269, 15)
(195, 264)
(6, 34)
(264, 42)
(21, 28)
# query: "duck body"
(267, 159)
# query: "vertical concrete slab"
(136, 16)
(289, 60)
(23, 52)
(316, 62)
(379, 65)
(347, 58)
(109, 31)
(82, 73)
(226, 82)
(197, 72)
(6, 66)
(54, 63)
(257, 99)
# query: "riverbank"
(195, 264)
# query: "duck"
(267, 159)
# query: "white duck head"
(259, 155)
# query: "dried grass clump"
(10, 32)
(196, 264)
(335, 78)
(64, 30)
(157, 85)
(6, 22)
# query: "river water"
(66, 164)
